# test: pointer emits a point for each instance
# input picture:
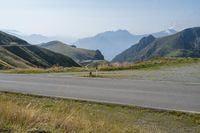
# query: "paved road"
(183, 96)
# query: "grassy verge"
(49, 70)
(22, 113)
(150, 64)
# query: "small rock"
(38, 131)
(5, 130)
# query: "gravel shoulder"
(180, 73)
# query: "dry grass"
(149, 64)
(55, 69)
(143, 65)
(22, 113)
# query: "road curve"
(181, 96)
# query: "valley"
(100, 66)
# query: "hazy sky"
(79, 18)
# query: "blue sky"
(80, 18)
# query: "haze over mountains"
(38, 38)
(182, 44)
(111, 43)
(15, 52)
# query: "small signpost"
(96, 71)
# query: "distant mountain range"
(182, 44)
(111, 43)
(77, 54)
(15, 52)
(38, 38)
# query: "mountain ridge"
(111, 43)
(182, 44)
(77, 54)
(36, 38)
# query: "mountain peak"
(170, 31)
(147, 39)
(122, 31)
(163, 33)
(119, 32)
(53, 43)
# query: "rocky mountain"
(182, 44)
(111, 43)
(77, 54)
(15, 52)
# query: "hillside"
(183, 44)
(77, 54)
(15, 52)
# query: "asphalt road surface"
(181, 96)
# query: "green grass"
(154, 63)
(21, 113)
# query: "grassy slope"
(21, 113)
(77, 54)
(40, 57)
(12, 60)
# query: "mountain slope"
(111, 43)
(183, 44)
(131, 52)
(15, 52)
(77, 54)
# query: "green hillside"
(183, 44)
(77, 54)
(17, 53)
